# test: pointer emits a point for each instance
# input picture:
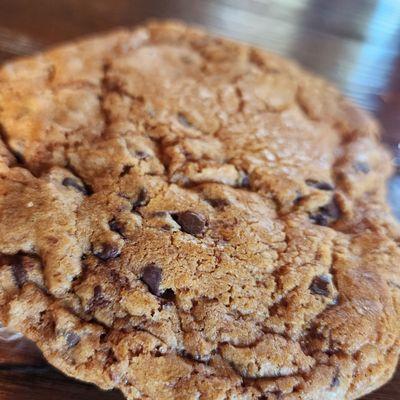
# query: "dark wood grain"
(18, 351)
(45, 383)
(353, 43)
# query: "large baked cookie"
(185, 217)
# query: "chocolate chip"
(335, 382)
(115, 226)
(362, 166)
(19, 272)
(327, 214)
(142, 199)
(190, 222)
(157, 352)
(320, 285)
(103, 337)
(245, 182)
(18, 156)
(72, 339)
(107, 251)
(319, 185)
(299, 197)
(97, 292)
(125, 170)
(142, 155)
(184, 121)
(168, 294)
(80, 187)
(151, 276)
(98, 299)
(320, 219)
(218, 203)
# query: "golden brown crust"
(182, 216)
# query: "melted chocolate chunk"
(299, 197)
(142, 199)
(115, 226)
(218, 203)
(98, 299)
(335, 381)
(141, 155)
(320, 285)
(319, 185)
(125, 170)
(190, 222)
(107, 251)
(103, 337)
(245, 182)
(18, 271)
(80, 187)
(168, 294)
(72, 339)
(18, 156)
(156, 352)
(327, 214)
(151, 276)
(362, 166)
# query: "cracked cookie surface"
(186, 217)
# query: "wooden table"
(354, 43)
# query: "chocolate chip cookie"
(185, 217)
